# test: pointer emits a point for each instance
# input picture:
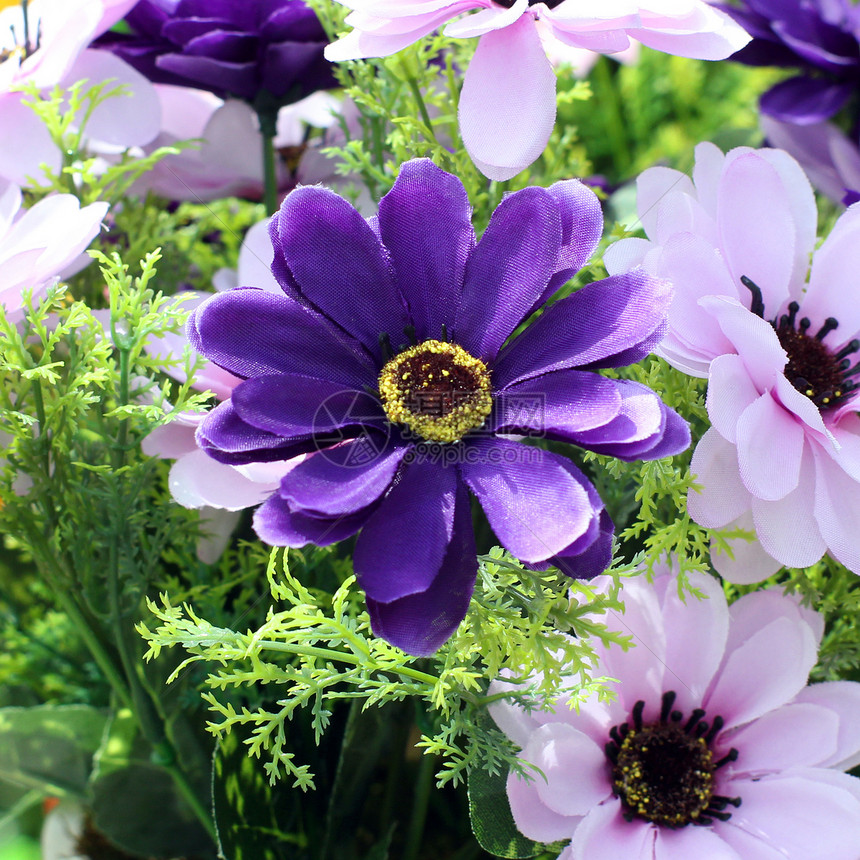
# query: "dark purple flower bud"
(267, 52)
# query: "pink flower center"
(813, 369)
(665, 772)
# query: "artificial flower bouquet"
(429, 429)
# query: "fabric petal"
(843, 699)
(196, 480)
(689, 842)
(730, 392)
(425, 223)
(533, 818)
(277, 525)
(401, 548)
(837, 510)
(589, 328)
(605, 835)
(749, 563)
(421, 623)
(722, 497)
(534, 504)
(507, 110)
(509, 270)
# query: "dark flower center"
(509, 3)
(437, 389)
(664, 772)
(813, 369)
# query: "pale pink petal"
(169, 441)
(232, 140)
(605, 835)
(255, 259)
(837, 510)
(652, 188)
(847, 436)
(730, 393)
(19, 123)
(197, 480)
(513, 720)
(754, 339)
(703, 46)
(749, 847)
(507, 109)
(217, 526)
(707, 172)
(575, 775)
(752, 611)
(808, 820)
(533, 818)
(132, 118)
(749, 562)
(843, 699)
(786, 528)
(696, 633)
(801, 406)
(833, 277)
(722, 497)
(686, 843)
(770, 448)
(795, 734)
(492, 18)
(768, 670)
(626, 255)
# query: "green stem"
(612, 114)
(419, 98)
(343, 657)
(270, 179)
(415, 833)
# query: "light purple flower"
(713, 748)
(507, 104)
(41, 244)
(780, 353)
(49, 47)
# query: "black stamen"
(611, 752)
(731, 755)
(853, 370)
(385, 346)
(613, 733)
(677, 716)
(637, 714)
(851, 346)
(445, 333)
(700, 729)
(715, 727)
(667, 701)
(722, 816)
(409, 331)
(694, 719)
(830, 324)
(724, 801)
(624, 729)
(805, 323)
(757, 302)
(793, 308)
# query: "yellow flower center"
(437, 390)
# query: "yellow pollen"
(437, 390)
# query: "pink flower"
(714, 747)
(229, 161)
(48, 47)
(196, 480)
(781, 355)
(41, 244)
(507, 104)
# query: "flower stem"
(268, 127)
(419, 98)
(613, 119)
(419, 808)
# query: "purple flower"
(390, 357)
(267, 52)
(714, 746)
(820, 37)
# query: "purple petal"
(534, 503)
(295, 69)
(509, 270)
(251, 332)
(556, 404)
(582, 227)
(339, 265)
(277, 525)
(591, 328)
(342, 479)
(290, 405)
(235, 79)
(804, 101)
(400, 550)
(421, 623)
(229, 439)
(425, 223)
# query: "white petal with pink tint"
(770, 449)
(730, 393)
(749, 562)
(652, 188)
(795, 734)
(573, 767)
(752, 611)
(837, 511)
(534, 819)
(817, 821)
(197, 480)
(722, 497)
(843, 699)
(686, 843)
(769, 669)
(605, 835)
(507, 109)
